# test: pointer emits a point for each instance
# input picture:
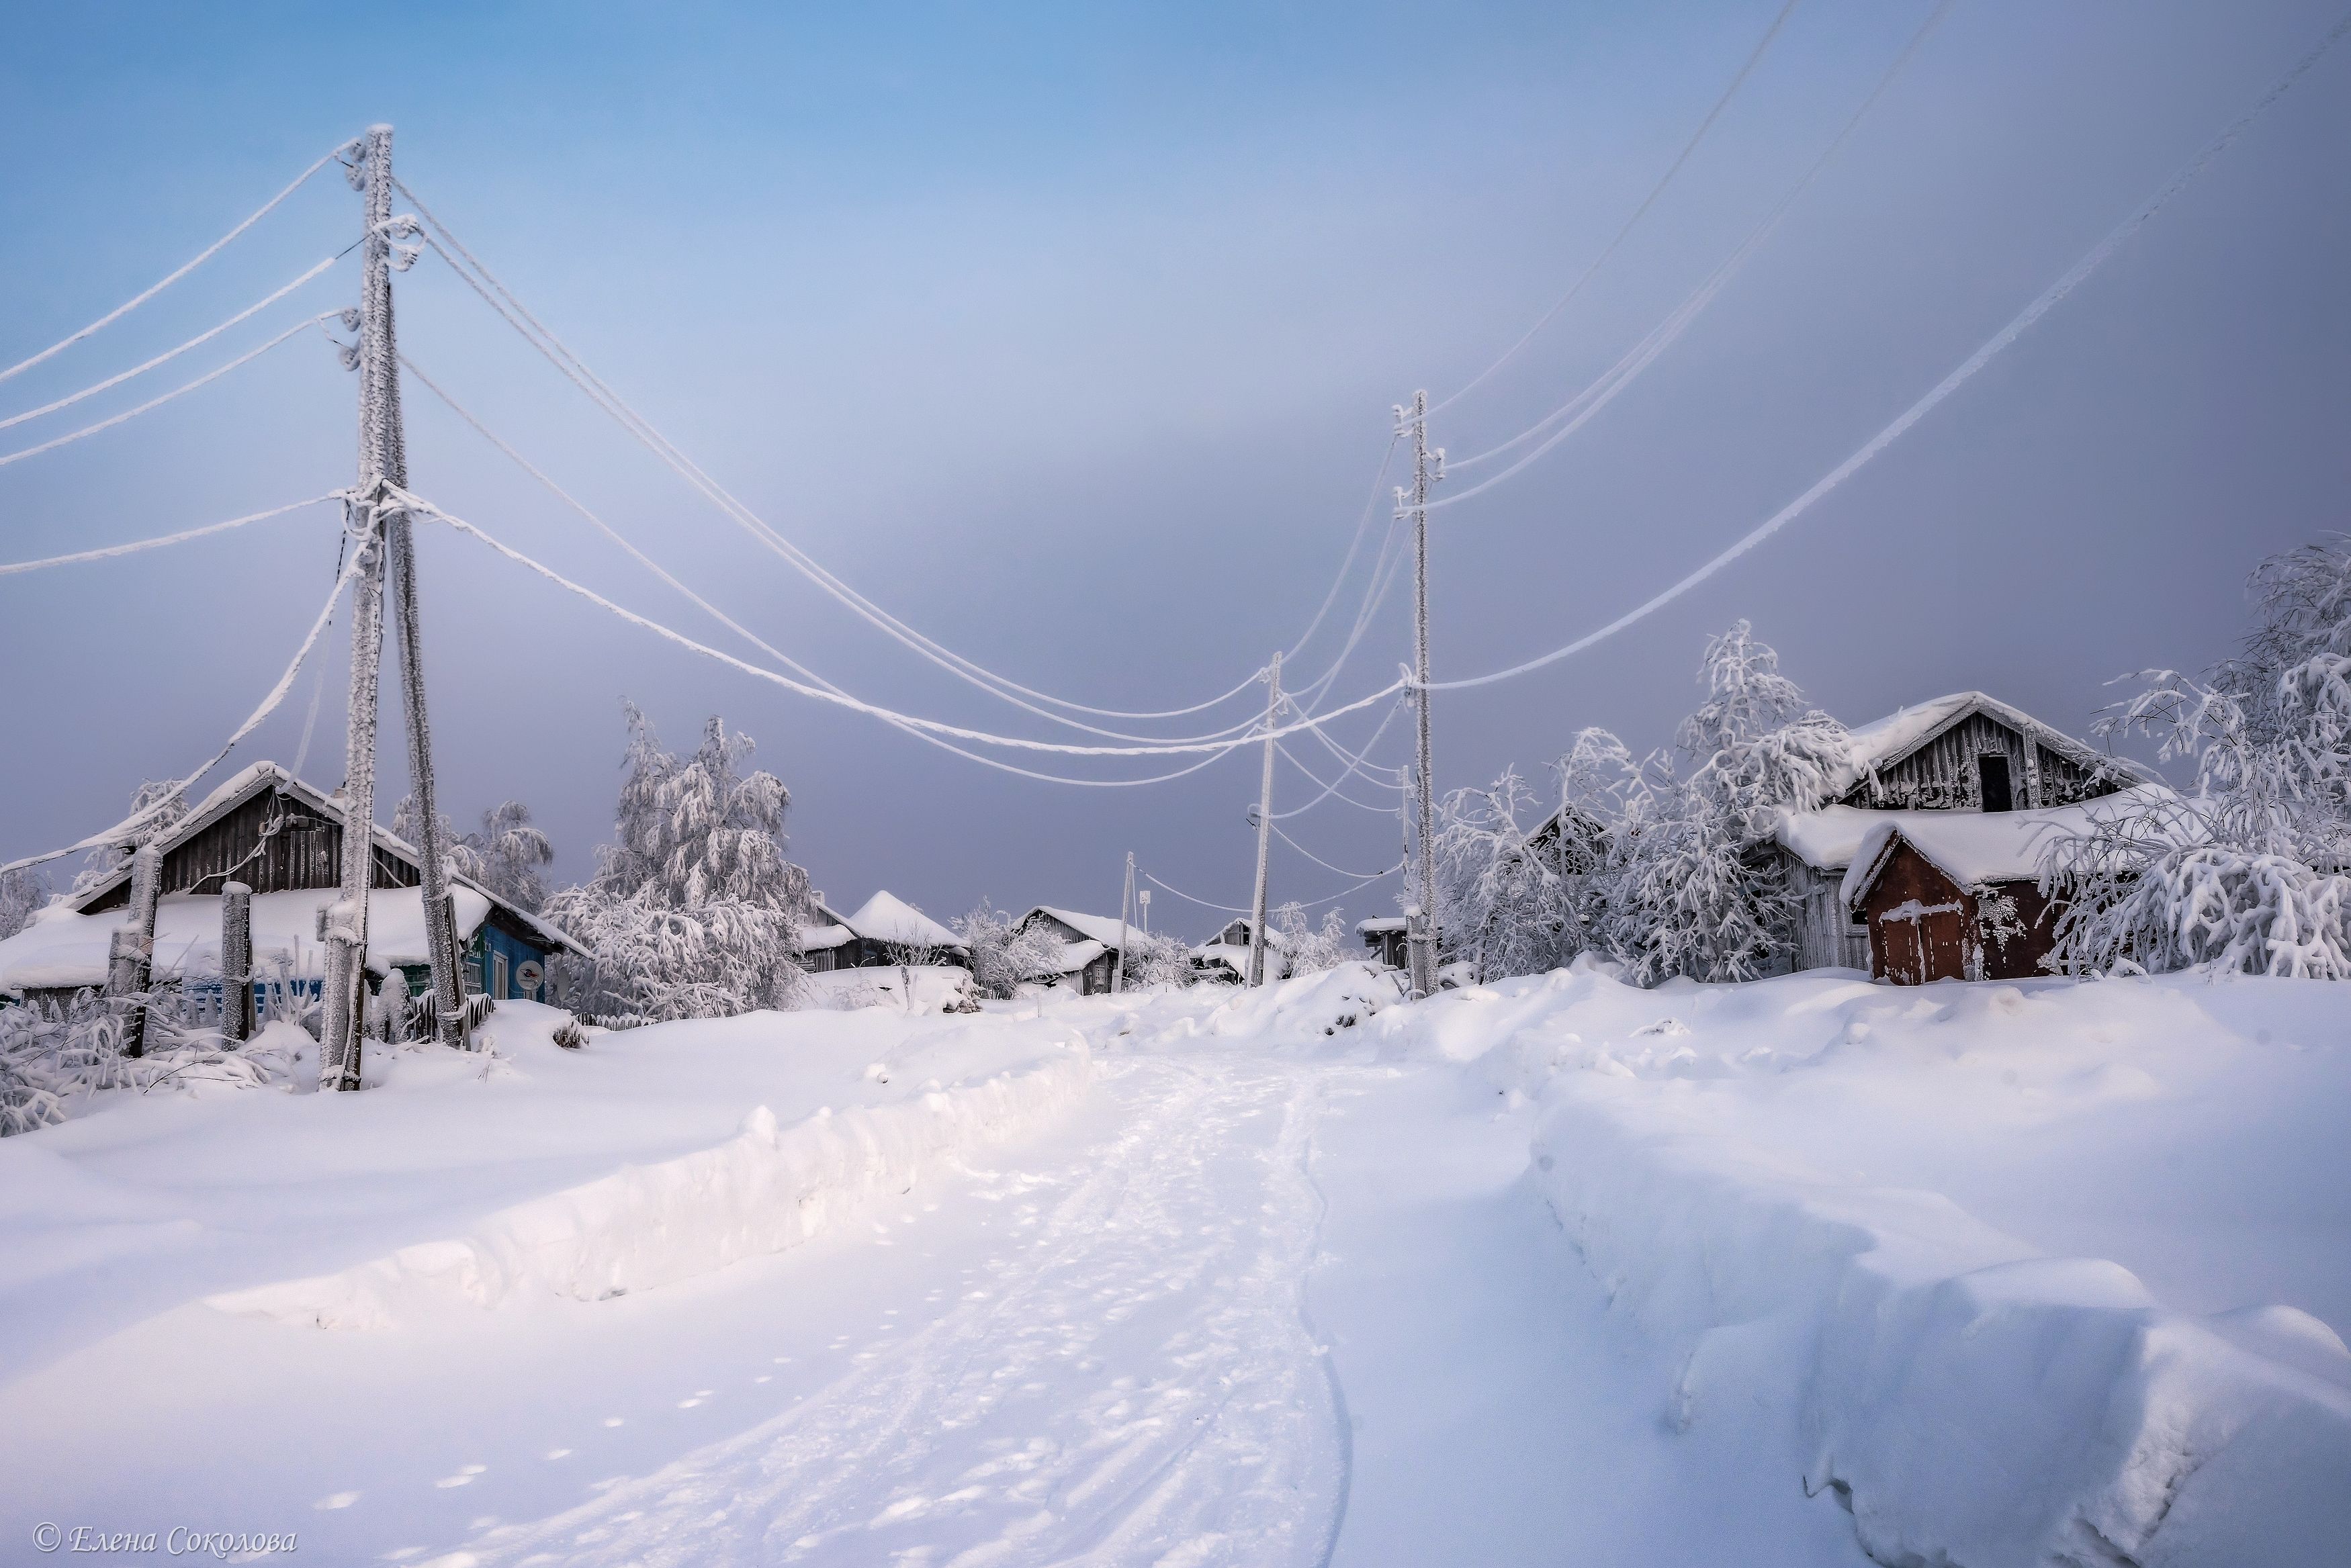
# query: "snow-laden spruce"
(694, 912)
(2246, 873)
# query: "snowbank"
(524, 1170)
(1765, 1176)
(937, 987)
(767, 1189)
(1970, 1402)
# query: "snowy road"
(1242, 1306)
(1122, 1373)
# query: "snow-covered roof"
(1829, 837)
(887, 918)
(1884, 742)
(254, 777)
(816, 939)
(1104, 929)
(1973, 847)
(1380, 923)
(1074, 956)
(64, 948)
(1231, 955)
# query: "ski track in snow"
(1132, 1378)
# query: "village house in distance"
(269, 832)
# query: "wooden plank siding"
(1827, 935)
(273, 843)
(1941, 776)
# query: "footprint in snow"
(337, 1499)
(464, 1476)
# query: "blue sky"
(1069, 334)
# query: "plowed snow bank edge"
(1972, 1403)
(764, 1190)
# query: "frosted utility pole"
(1264, 824)
(381, 535)
(1421, 938)
(384, 370)
(1125, 902)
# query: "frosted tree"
(1514, 872)
(506, 856)
(21, 893)
(1005, 955)
(1310, 950)
(1687, 891)
(2245, 874)
(1155, 960)
(693, 911)
(169, 807)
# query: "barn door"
(1923, 943)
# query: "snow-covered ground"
(1555, 1269)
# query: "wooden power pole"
(1126, 903)
(1264, 823)
(1421, 931)
(382, 533)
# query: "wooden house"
(1090, 947)
(1966, 754)
(283, 838)
(887, 930)
(1224, 957)
(1384, 936)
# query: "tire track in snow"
(1130, 1378)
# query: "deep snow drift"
(2018, 1274)
(1856, 1204)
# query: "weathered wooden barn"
(282, 838)
(1963, 754)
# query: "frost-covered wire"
(1745, 71)
(423, 507)
(2048, 301)
(1580, 410)
(1355, 546)
(1310, 904)
(576, 370)
(746, 633)
(1366, 875)
(119, 311)
(109, 552)
(1332, 788)
(128, 826)
(153, 403)
(169, 354)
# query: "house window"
(498, 976)
(1991, 776)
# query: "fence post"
(131, 956)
